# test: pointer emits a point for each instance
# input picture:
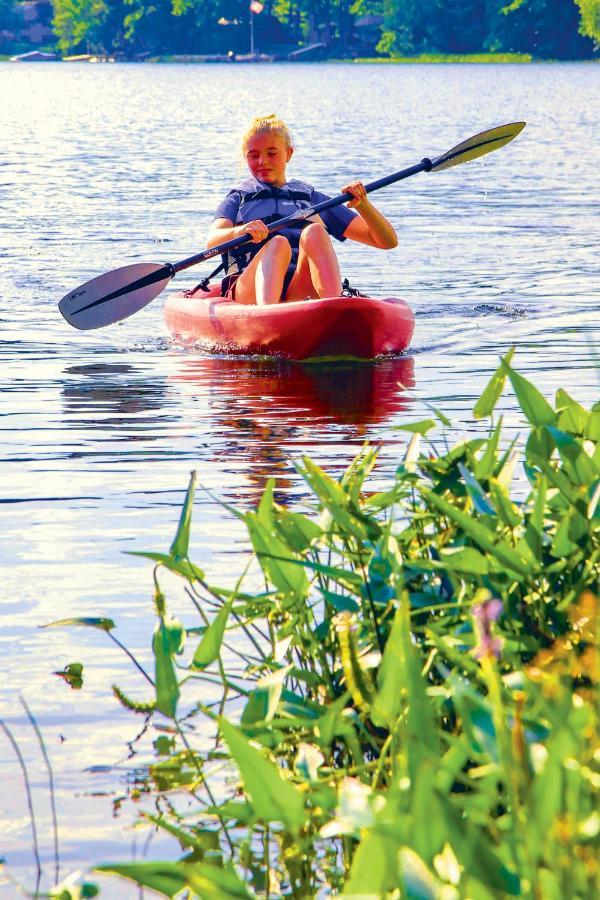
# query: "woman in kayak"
(297, 262)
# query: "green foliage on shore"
(544, 28)
(549, 29)
(407, 706)
(450, 58)
(590, 19)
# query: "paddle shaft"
(118, 283)
(300, 215)
(169, 270)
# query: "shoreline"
(420, 59)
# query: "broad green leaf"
(360, 467)
(536, 519)
(391, 697)
(214, 883)
(374, 870)
(102, 624)
(340, 721)
(384, 499)
(356, 675)
(578, 526)
(539, 447)
(480, 723)
(507, 511)
(535, 407)
(273, 798)
(265, 507)
(572, 416)
(592, 429)
(485, 466)
(166, 642)
(491, 394)
(179, 566)
(340, 602)
(264, 699)
(210, 646)
(421, 427)
(558, 479)
(180, 545)
(506, 471)
(428, 832)
(294, 705)
(401, 686)
(240, 812)
(465, 559)
(332, 721)
(274, 558)
(478, 857)
(578, 465)
(481, 535)
(572, 528)
(346, 516)
(297, 530)
(166, 878)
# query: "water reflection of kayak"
(359, 327)
(279, 392)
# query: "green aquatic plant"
(406, 705)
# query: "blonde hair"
(261, 124)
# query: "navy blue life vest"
(269, 203)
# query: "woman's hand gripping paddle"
(122, 292)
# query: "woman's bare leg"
(318, 271)
(261, 282)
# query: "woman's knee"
(279, 246)
(314, 235)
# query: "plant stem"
(36, 848)
(204, 783)
(131, 657)
(51, 786)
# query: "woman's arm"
(223, 230)
(369, 226)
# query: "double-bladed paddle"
(122, 292)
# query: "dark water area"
(101, 166)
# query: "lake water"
(101, 166)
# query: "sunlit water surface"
(101, 166)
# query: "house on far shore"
(31, 24)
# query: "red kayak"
(359, 327)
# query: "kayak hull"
(333, 327)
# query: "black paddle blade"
(114, 295)
(478, 145)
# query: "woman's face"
(267, 155)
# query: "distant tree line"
(559, 29)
